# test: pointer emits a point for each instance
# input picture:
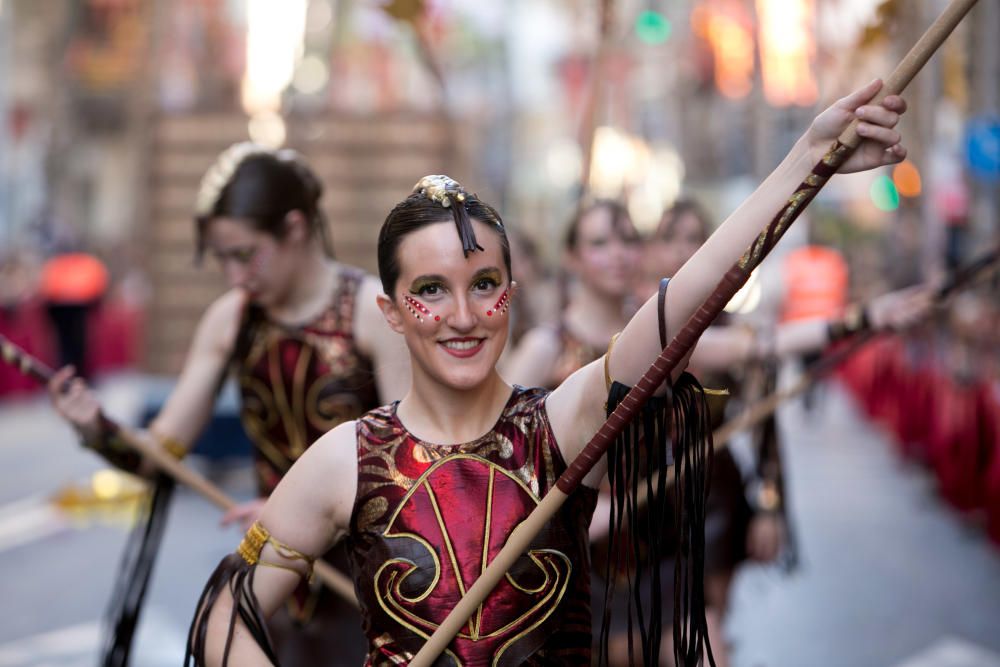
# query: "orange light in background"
(787, 48)
(725, 25)
(906, 176)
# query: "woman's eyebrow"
(488, 272)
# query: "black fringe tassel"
(135, 568)
(692, 472)
(464, 225)
(236, 574)
(638, 461)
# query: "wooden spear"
(521, 537)
(165, 462)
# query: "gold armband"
(172, 446)
(607, 361)
(254, 541)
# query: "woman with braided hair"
(427, 489)
(304, 338)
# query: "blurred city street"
(889, 577)
(230, 219)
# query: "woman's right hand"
(75, 401)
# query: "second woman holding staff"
(301, 334)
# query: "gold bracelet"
(172, 446)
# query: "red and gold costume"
(296, 384)
(428, 519)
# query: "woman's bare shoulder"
(221, 320)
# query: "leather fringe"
(237, 575)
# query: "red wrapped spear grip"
(165, 462)
(521, 537)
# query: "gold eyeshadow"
(423, 282)
(491, 273)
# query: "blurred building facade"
(114, 108)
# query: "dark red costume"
(296, 384)
(428, 518)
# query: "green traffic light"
(652, 27)
(884, 194)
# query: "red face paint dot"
(437, 318)
(489, 313)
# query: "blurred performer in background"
(302, 334)
(601, 254)
(72, 285)
(747, 516)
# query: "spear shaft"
(165, 462)
(520, 538)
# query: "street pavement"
(890, 577)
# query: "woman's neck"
(311, 290)
(594, 317)
(445, 415)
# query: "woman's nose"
(463, 317)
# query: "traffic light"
(652, 27)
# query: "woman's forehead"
(602, 221)
(229, 230)
(437, 249)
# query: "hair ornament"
(445, 190)
(221, 172)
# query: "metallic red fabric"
(297, 384)
(428, 519)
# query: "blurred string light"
(275, 32)
(726, 26)
(906, 177)
(626, 168)
(657, 189)
(787, 48)
(564, 164)
(107, 484)
(267, 128)
(311, 75)
(319, 16)
(884, 194)
(615, 157)
(652, 27)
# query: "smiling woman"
(428, 489)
